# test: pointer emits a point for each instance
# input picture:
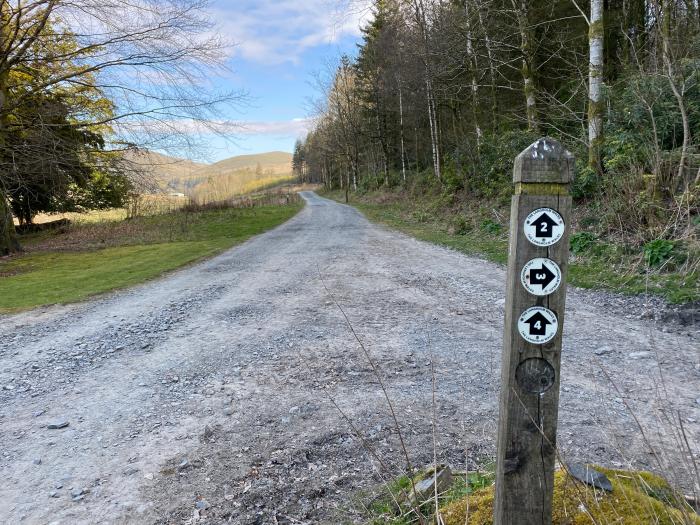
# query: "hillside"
(227, 177)
(273, 159)
(166, 172)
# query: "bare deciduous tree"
(152, 58)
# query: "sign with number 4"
(538, 325)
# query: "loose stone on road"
(209, 392)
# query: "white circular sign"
(538, 325)
(541, 276)
(544, 227)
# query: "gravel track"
(206, 396)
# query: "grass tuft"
(97, 257)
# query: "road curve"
(210, 393)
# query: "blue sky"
(281, 45)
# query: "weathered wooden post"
(536, 293)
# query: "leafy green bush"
(581, 242)
(658, 251)
(459, 225)
(630, 114)
(586, 184)
(452, 178)
(368, 183)
(492, 227)
(395, 178)
(489, 168)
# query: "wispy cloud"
(279, 31)
(298, 127)
(295, 128)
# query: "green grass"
(599, 266)
(493, 247)
(383, 509)
(53, 271)
(637, 497)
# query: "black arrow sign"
(544, 226)
(538, 324)
(542, 277)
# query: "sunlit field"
(102, 251)
(139, 205)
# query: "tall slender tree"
(596, 33)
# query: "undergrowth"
(636, 497)
(601, 257)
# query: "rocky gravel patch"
(234, 392)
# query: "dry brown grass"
(149, 204)
(159, 219)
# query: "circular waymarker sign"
(541, 276)
(544, 227)
(538, 325)
(535, 375)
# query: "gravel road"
(206, 396)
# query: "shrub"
(459, 225)
(581, 242)
(658, 251)
(491, 227)
(586, 184)
(452, 178)
(489, 168)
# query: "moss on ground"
(636, 498)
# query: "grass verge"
(636, 497)
(89, 259)
(598, 264)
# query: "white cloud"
(296, 128)
(279, 31)
(285, 128)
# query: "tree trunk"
(403, 147)
(596, 32)
(355, 166)
(422, 22)
(8, 236)
(527, 70)
(474, 68)
(434, 136)
(383, 146)
(347, 185)
(677, 92)
(492, 73)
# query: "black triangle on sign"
(542, 277)
(544, 226)
(538, 324)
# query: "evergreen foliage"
(455, 90)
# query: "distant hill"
(278, 159)
(162, 171)
(225, 178)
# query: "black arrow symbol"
(544, 226)
(538, 324)
(544, 276)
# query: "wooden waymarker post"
(534, 311)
